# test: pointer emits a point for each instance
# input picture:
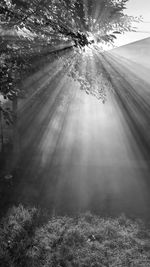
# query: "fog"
(79, 154)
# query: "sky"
(137, 8)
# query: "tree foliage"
(28, 28)
(53, 20)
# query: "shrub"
(29, 237)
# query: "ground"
(30, 237)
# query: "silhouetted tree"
(32, 27)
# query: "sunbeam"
(81, 115)
(74, 133)
(80, 153)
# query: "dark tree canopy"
(29, 28)
(53, 20)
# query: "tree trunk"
(2, 151)
(16, 146)
(1, 132)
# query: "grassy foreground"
(29, 237)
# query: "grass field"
(30, 237)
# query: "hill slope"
(138, 52)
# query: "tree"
(50, 20)
(39, 27)
(43, 24)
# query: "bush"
(29, 237)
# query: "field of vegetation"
(30, 237)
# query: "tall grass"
(29, 237)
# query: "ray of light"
(133, 96)
(79, 154)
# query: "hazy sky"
(137, 8)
